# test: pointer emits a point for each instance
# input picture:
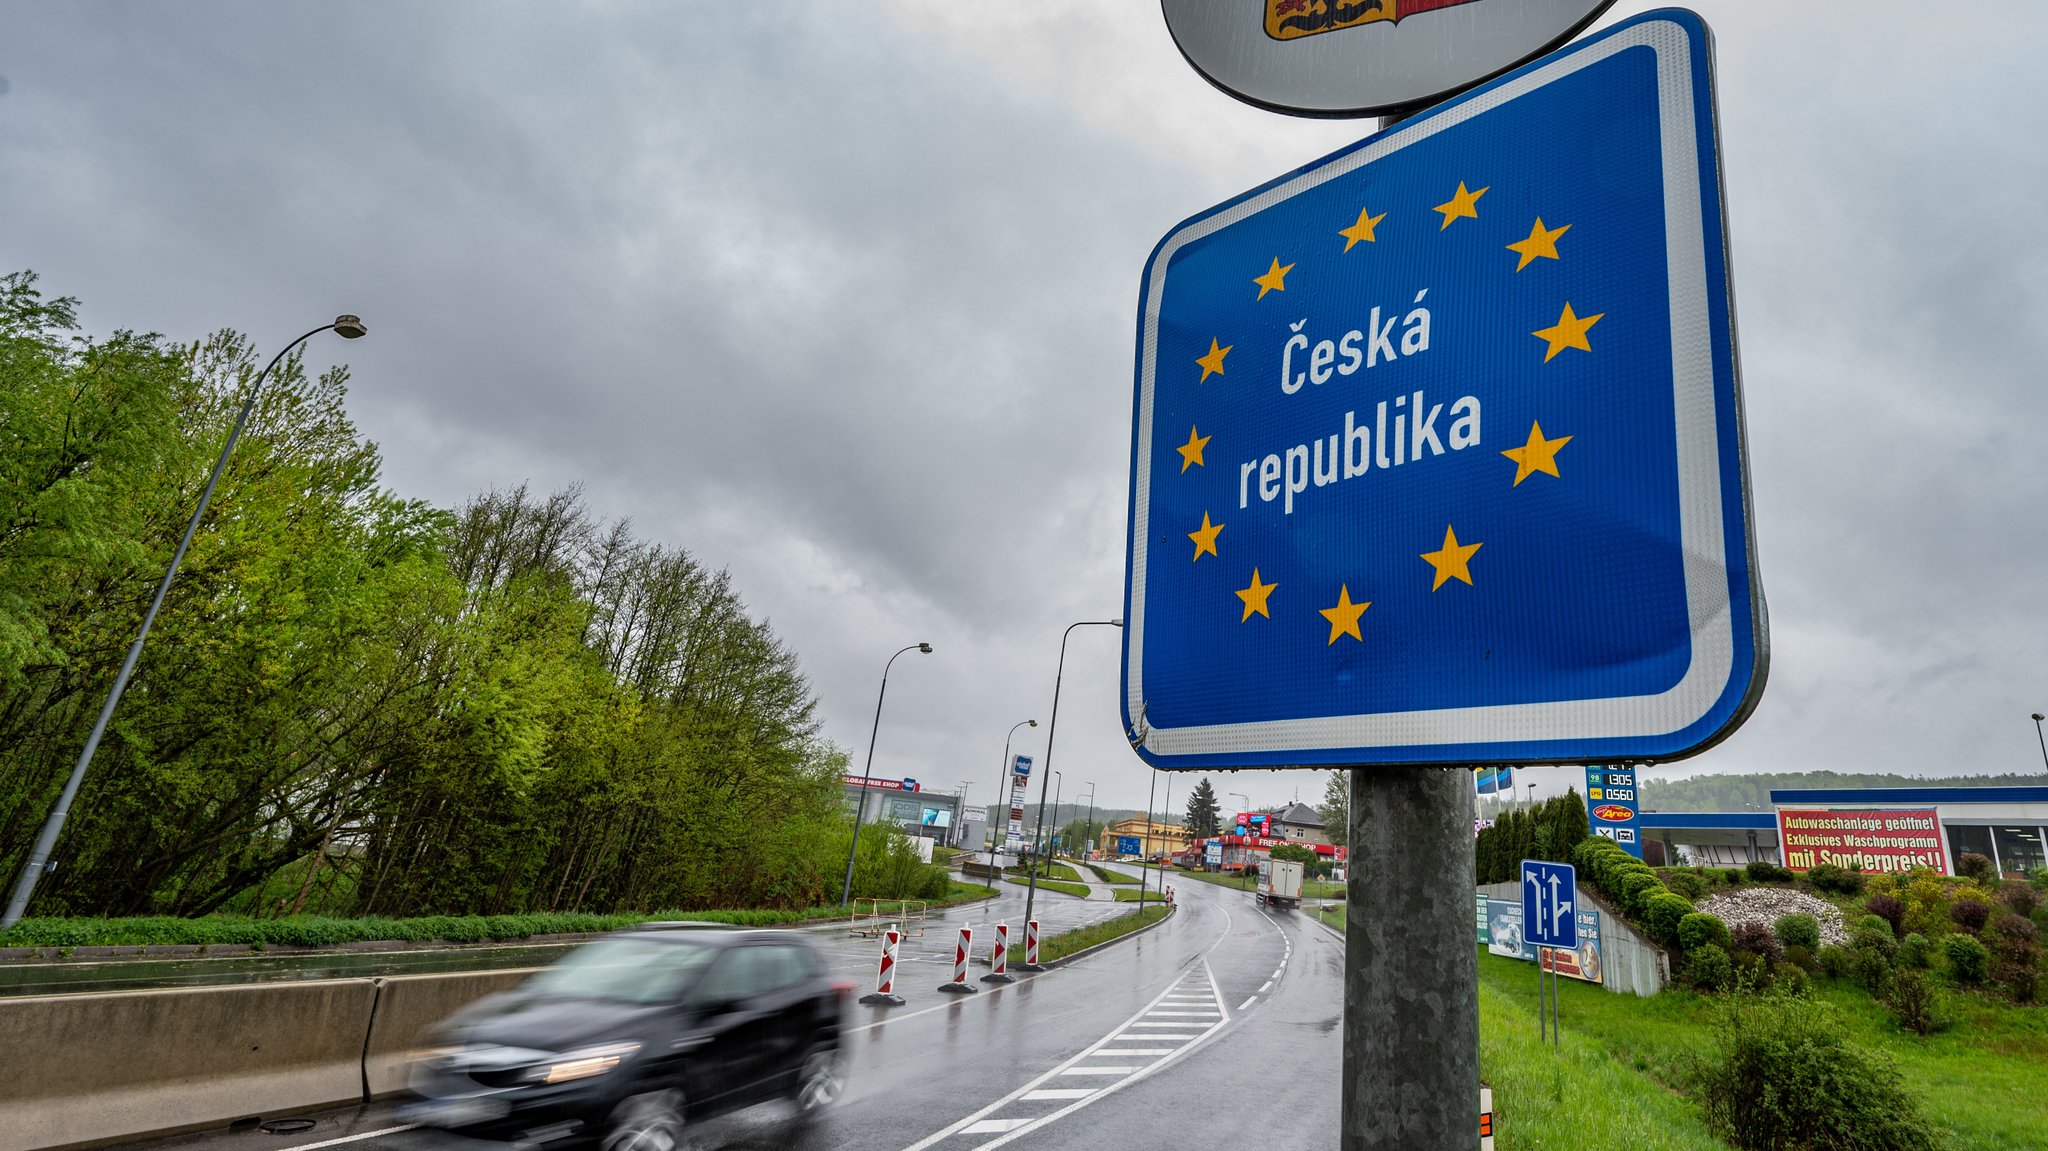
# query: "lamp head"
(350, 327)
(925, 648)
(2038, 717)
(1032, 722)
(1118, 622)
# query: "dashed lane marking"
(1247, 1003)
(994, 1126)
(1191, 1035)
(353, 1138)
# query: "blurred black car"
(625, 1041)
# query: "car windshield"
(624, 970)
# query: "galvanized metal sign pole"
(1438, 461)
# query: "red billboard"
(1881, 839)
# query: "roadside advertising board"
(1503, 936)
(1438, 453)
(874, 784)
(1883, 840)
(1020, 778)
(1611, 808)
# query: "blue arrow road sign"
(1438, 449)
(1550, 913)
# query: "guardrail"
(87, 1070)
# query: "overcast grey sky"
(842, 296)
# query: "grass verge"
(1130, 895)
(1107, 876)
(1078, 890)
(323, 931)
(1068, 942)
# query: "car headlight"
(583, 1064)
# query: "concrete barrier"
(80, 1070)
(407, 1005)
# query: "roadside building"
(933, 815)
(1155, 837)
(1886, 829)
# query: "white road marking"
(1148, 1037)
(994, 1126)
(1135, 1051)
(1262, 989)
(355, 1138)
(1172, 1026)
(1247, 1003)
(1193, 1014)
(1082, 1096)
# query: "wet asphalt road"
(1225, 1018)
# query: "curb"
(1062, 961)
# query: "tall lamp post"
(2038, 717)
(1052, 838)
(1002, 790)
(846, 892)
(348, 328)
(1052, 728)
(1088, 836)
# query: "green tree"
(1336, 806)
(1203, 813)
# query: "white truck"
(1279, 883)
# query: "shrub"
(1889, 908)
(1802, 958)
(1732, 877)
(1756, 939)
(1968, 960)
(2020, 897)
(1975, 867)
(1916, 1004)
(1637, 887)
(1662, 913)
(1875, 923)
(1699, 929)
(1690, 886)
(1874, 934)
(1915, 951)
(1792, 979)
(1798, 930)
(1835, 960)
(1764, 871)
(1786, 1075)
(1970, 914)
(1835, 880)
(1872, 969)
(1709, 968)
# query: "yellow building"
(1159, 836)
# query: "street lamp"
(1088, 836)
(2038, 717)
(348, 328)
(846, 892)
(1002, 782)
(1052, 728)
(1052, 840)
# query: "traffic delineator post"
(999, 957)
(1031, 962)
(958, 984)
(884, 994)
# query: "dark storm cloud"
(842, 297)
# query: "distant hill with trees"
(1737, 792)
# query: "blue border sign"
(1437, 447)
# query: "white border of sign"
(1700, 475)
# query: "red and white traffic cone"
(999, 958)
(958, 984)
(1031, 962)
(884, 993)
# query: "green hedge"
(1665, 916)
(1078, 890)
(323, 931)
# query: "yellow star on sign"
(1541, 242)
(1255, 597)
(1463, 204)
(1570, 332)
(1275, 279)
(1450, 561)
(1205, 539)
(1344, 617)
(1362, 230)
(1212, 364)
(1191, 452)
(1538, 455)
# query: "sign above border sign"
(1395, 499)
(1340, 58)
